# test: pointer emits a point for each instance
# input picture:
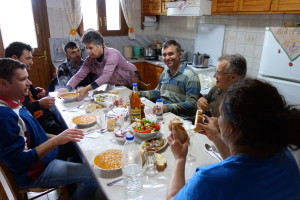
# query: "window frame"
(102, 17)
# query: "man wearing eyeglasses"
(229, 69)
(71, 66)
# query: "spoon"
(209, 148)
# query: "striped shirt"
(179, 92)
(113, 69)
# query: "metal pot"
(200, 60)
(149, 52)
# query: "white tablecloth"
(153, 187)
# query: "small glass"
(188, 127)
(120, 116)
(150, 163)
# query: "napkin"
(92, 134)
(213, 155)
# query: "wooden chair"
(141, 84)
(14, 192)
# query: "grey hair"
(236, 64)
(92, 37)
(172, 42)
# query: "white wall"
(244, 34)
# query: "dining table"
(97, 139)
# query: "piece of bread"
(111, 123)
(182, 134)
(92, 107)
(198, 119)
(114, 92)
(160, 162)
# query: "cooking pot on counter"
(200, 60)
(148, 51)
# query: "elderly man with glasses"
(229, 69)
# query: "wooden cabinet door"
(151, 7)
(286, 5)
(163, 8)
(254, 5)
(140, 68)
(224, 6)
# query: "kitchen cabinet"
(286, 5)
(150, 73)
(151, 7)
(255, 6)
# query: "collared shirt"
(66, 70)
(113, 69)
(213, 99)
(179, 92)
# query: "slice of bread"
(182, 134)
(160, 162)
(198, 119)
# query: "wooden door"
(42, 69)
(286, 5)
(224, 6)
(254, 5)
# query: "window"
(105, 16)
(25, 31)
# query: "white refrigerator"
(277, 69)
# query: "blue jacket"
(20, 134)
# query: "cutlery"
(209, 148)
(73, 108)
(114, 182)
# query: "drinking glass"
(120, 116)
(150, 163)
(188, 127)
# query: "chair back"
(8, 182)
(14, 192)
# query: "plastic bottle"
(132, 169)
(159, 109)
(135, 104)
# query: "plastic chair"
(14, 192)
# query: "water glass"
(150, 163)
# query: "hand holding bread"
(198, 120)
(180, 131)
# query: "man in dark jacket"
(36, 102)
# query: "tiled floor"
(50, 196)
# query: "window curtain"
(128, 11)
(74, 15)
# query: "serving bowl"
(154, 144)
(108, 161)
(68, 96)
(140, 134)
(84, 120)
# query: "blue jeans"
(60, 172)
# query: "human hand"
(178, 149)
(40, 92)
(69, 135)
(202, 104)
(82, 94)
(62, 90)
(47, 102)
(211, 128)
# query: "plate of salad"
(145, 128)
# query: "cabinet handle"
(44, 56)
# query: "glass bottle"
(135, 104)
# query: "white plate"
(68, 96)
(157, 148)
(105, 98)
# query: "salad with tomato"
(146, 126)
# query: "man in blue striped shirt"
(179, 85)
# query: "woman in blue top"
(256, 130)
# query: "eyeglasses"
(219, 73)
